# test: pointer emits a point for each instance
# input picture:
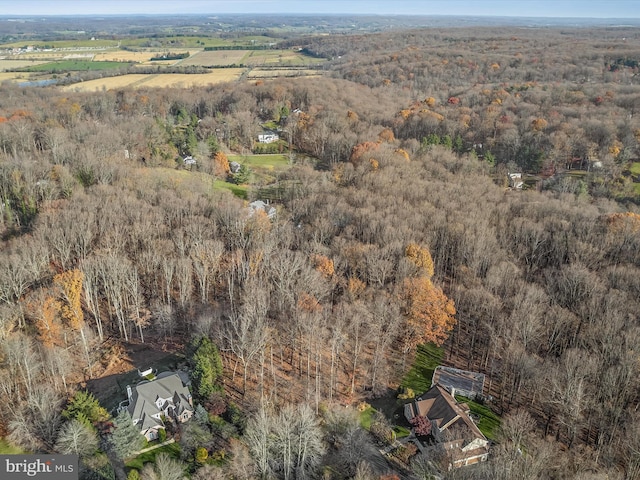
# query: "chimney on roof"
(129, 392)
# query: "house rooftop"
(440, 407)
(142, 404)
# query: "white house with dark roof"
(268, 136)
(166, 395)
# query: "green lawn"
(173, 449)
(74, 66)
(366, 417)
(489, 421)
(428, 357)
(635, 168)
(269, 161)
(7, 449)
(401, 432)
(240, 191)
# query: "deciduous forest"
(395, 227)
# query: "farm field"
(74, 66)
(13, 64)
(139, 57)
(279, 57)
(215, 58)
(139, 80)
(14, 76)
(39, 56)
(276, 73)
(108, 83)
(64, 44)
(173, 42)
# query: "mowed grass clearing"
(240, 191)
(488, 421)
(174, 80)
(268, 161)
(428, 357)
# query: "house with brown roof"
(451, 426)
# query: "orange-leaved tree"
(324, 265)
(421, 258)
(429, 312)
(361, 149)
(221, 164)
(48, 319)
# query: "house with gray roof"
(165, 396)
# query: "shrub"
(407, 394)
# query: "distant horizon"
(567, 9)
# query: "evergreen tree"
(126, 438)
(207, 369)
(85, 408)
(242, 176)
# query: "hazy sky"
(526, 8)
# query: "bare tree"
(205, 257)
(92, 279)
(568, 390)
(288, 444)
(77, 438)
(245, 333)
(164, 468)
(35, 425)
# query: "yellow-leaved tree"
(69, 284)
